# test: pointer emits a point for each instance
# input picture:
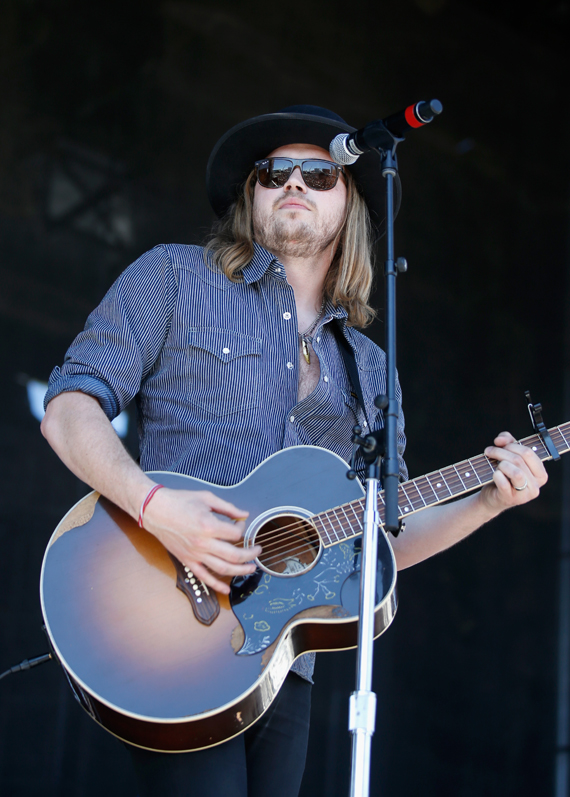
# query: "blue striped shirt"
(213, 366)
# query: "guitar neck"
(346, 521)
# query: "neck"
(307, 278)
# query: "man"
(232, 354)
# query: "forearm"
(438, 528)
(185, 521)
(82, 436)
(518, 476)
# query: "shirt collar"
(262, 260)
(258, 265)
(335, 312)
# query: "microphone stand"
(362, 705)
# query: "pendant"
(306, 353)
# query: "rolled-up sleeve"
(123, 336)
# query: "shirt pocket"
(225, 368)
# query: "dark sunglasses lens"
(320, 175)
(274, 173)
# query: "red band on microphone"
(411, 118)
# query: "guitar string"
(454, 480)
(455, 483)
(280, 543)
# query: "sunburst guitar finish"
(137, 656)
(176, 669)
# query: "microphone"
(346, 148)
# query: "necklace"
(306, 336)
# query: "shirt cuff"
(60, 383)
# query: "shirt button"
(289, 365)
(292, 418)
(326, 378)
(286, 316)
(318, 340)
(277, 269)
(364, 423)
(226, 350)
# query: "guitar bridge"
(204, 601)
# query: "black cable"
(27, 664)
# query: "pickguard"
(263, 603)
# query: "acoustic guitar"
(165, 663)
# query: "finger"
(513, 485)
(208, 578)
(210, 567)
(232, 554)
(503, 439)
(222, 529)
(221, 567)
(224, 507)
(523, 458)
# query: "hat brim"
(233, 157)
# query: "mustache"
(283, 196)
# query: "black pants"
(269, 758)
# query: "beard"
(292, 235)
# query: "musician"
(231, 353)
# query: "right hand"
(185, 523)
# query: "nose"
(295, 181)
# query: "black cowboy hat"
(233, 156)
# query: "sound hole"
(290, 545)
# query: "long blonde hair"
(350, 276)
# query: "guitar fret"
(348, 523)
(413, 502)
(382, 506)
(357, 515)
(484, 469)
(428, 499)
(468, 475)
(567, 427)
(539, 448)
(406, 505)
(440, 485)
(323, 532)
(332, 533)
(558, 439)
(452, 480)
(339, 524)
(459, 476)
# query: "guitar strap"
(350, 365)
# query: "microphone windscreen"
(339, 153)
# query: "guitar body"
(138, 659)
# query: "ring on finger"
(520, 489)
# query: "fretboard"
(345, 521)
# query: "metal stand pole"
(362, 705)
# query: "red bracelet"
(146, 502)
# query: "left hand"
(519, 467)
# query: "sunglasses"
(319, 175)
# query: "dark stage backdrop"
(108, 113)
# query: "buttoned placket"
(285, 301)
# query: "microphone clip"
(371, 448)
